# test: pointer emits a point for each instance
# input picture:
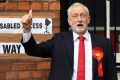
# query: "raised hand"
(26, 21)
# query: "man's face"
(79, 19)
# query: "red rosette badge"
(97, 54)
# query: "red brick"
(56, 30)
(39, 74)
(43, 65)
(57, 14)
(54, 6)
(2, 75)
(36, 6)
(45, 5)
(24, 75)
(11, 6)
(2, 0)
(2, 6)
(12, 75)
(24, 66)
(23, 6)
(56, 23)
(5, 66)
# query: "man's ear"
(68, 21)
(88, 19)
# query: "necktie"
(81, 60)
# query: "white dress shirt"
(88, 55)
(26, 37)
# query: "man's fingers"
(27, 20)
(30, 13)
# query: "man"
(97, 61)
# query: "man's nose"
(79, 18)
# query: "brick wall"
(25, 68)
(21, 66)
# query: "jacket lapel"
(70, 47)
(94, 64)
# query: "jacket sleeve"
(43, 49)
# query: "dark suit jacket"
(61, 48)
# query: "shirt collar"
(86, 35)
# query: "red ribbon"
(98, 55)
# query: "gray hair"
(76, 5)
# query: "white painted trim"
(108, 19)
